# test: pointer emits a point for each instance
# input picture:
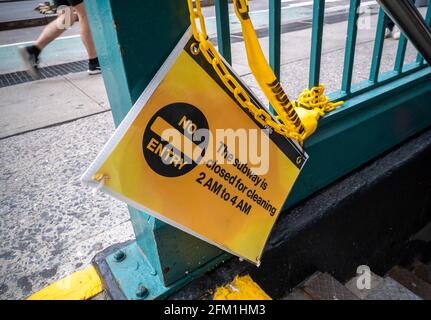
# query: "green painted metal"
(383, 79)
(371, 122)
(378, 46)
(349, 57)
(378, 114)
(129, 60)
(401, 52)
(316, 42)
(135, 271)
(110, 56)
(223, 29)
(275, 35)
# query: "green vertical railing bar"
(378, 47)
(420, 59)
(401, 52)
(316, 42)
(275, 35)
(223, 29)
(349, 57)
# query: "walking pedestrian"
(30, 54)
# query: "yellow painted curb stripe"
(241, 288)
(80, 285)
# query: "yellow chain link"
(212, 56)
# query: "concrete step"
(412, 282)
(389, 289)
(297, 294)
(399, 284)
(322, 286)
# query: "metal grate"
(13, 78)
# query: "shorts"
(67, 2)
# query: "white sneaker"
(396, 33)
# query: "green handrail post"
(378, 46)
(420, 58)
(316, 42)
(349, 57)
(223, 29)
(275, 35)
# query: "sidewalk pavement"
(50, 224)
(39, 104)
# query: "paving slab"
(52, 225)
(90, 85)
(38, 104)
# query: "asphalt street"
(69, 47)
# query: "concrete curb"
(241, 288)
(80, 285)
(87, 284)
(36, 22)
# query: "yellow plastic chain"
(212, 56)
(315, 99)
(311, 105)
(298, 119)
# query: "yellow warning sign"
(190, 155)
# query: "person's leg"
(86, 36)
(389, 23)
(30, 54)
(392, 30)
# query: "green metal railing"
(347, 89)
(356, 95)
